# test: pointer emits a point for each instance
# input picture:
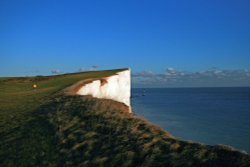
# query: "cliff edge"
(53, 125)
(115, 87)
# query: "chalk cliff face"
(116, 87)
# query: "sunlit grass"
(45, 127)
(26, 136)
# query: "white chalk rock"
(116, 87)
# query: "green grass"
(45, 127)
(18, 97)
(23, 131)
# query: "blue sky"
(39, 36)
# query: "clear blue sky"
(37, 36)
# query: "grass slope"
(45, 127)
(25, 135)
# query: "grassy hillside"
(22, 138)
(45, 127)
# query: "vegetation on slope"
(26, 136)
(98, 132)
(83, 131)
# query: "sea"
(205, 115)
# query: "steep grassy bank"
(26, 136)
(94, 132)
(45, 127)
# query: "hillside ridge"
(48, 127)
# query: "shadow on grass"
(84, 131)
(32, 144)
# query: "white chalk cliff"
(116, 87)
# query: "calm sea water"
(205, 115)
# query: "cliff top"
(43, 126)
